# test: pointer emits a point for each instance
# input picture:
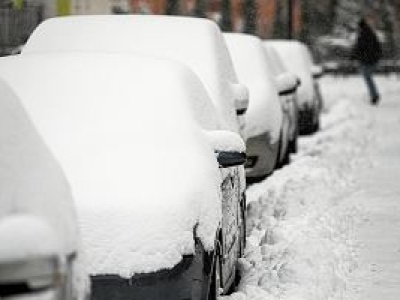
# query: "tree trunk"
(250, 16)
(226, 21)
(172, 7)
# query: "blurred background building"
(327, 25)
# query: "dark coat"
(367, 49)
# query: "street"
(327, 225)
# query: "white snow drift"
(300, 243)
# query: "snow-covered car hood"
(142, 172)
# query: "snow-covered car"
(196, 42)
(288, 97)
(158, 183)
(40, 252)
(265, 129)
(297, 58)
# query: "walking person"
(367, 51)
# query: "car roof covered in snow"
(274, 60)
(296, 57)
(31, 180)
(196, 42)
(264, 113)
(141, 170)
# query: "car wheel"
(215, 284)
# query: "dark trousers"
(367, 72)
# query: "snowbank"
(300, 243)
(142, 171)
(264, 113)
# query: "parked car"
(40, 254)
(158, 182)
(266, 128)
(196, 42)
(288, 99)
(297, 58)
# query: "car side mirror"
(228, 159)
(30, 257)
(241, 93)
(317, 71)
(287, 84)
(229, 147)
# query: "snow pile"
(300, 243)
(264, 113)
(225, 141)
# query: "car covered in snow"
(288, 97)
(158, 182)
(266, 129)
(196, 42)
(297, 58)
(40, 252)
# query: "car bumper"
(262, 155)
(186, 281)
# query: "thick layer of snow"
(376, 272)
(30, 178)
(301, 242)
(32, 182)
(141, 169)
(296, 59)
(226, 141)
(264, 113)
(19, 234)
(196, 42)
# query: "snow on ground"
(302, 225)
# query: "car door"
(231, 199)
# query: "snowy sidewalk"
(327, 226)
(377, 275)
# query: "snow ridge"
(300, 243)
